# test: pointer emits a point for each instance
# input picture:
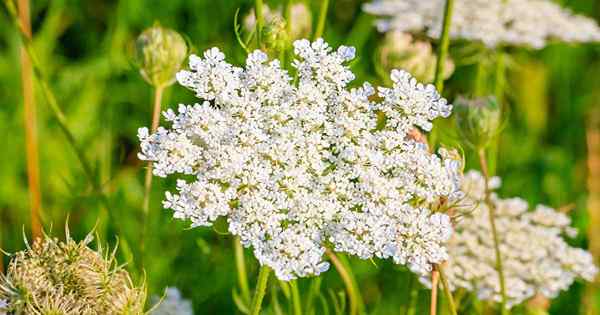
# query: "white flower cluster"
(299, 164)
(494, 22)
(535, 257)
(172, 304)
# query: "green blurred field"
(83, 45)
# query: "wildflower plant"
(68, 278)
(536, 257)
(298, 165)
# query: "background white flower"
(494, 22)
(536, 257)
(294, 167)
(172, 304)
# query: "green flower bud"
(274, 36)
(159, 53)
(300, 20)
(400, 51)
(478, 120)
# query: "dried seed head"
(159, 53)
(54, 277)
(479, 120)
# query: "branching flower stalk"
(484, 169)
(31, 137)
(322, 19)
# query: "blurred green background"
(84, 47)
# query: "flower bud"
(300, 20)
(274, 36)
(159, 53)
(400, 51)
(478, 120)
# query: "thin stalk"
(158, 91)
(240, 265)
(258, 11)
(443, 46)
(593, 205)
(356, 303)
(322, 18)
(492, 218)
(411, 284)
(500, 76)
(435, 277)
(447, 291)
(414, 295)
(296, 302)
(60, 116)
(30, 118)
(261, 288)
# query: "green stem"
(500, 77)
(261, 288)
(240, 265)
(447, 291)
(411, 288)
(492, 215)
(443, 46)
(296, 303)
(356, 302)
(258, 11)
(158, 91)
(322, 19)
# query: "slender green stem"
(356, 302)
(443, 46)
(261, 288)
(492, 215)
(411, 287)
(260, 20)
(158, 92)
(240, 265)
(296, 302)
(447, 291)
(480, 77)
(500, 77)
(322, 19)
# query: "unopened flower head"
(529, 23)
(159, 53)
(172, 304)
(536, 258)
(54, 277)
(296, 166)
(400, 50)
(478, 120)
(300, 20)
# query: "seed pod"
(478, 120)
(159, 53)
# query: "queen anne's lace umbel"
(296, 165)
(535, 257)
(494, 22)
